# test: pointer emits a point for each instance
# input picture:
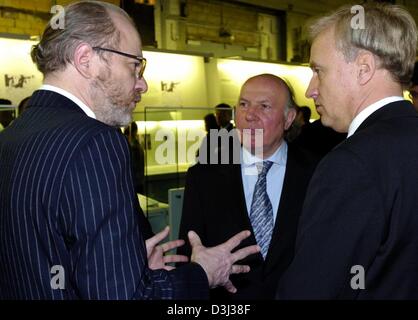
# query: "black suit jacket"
(361, 211)
(318, 139)
(214, 206)
(67, 199)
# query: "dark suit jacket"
(67, 199)
(318, 139)
(214, 206)
(361, 209)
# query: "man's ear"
(83, 59)
(291, 115)
(366, 66)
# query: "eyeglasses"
(413, 94)
(142, 61)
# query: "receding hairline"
(272, 79)
(109, 7)
(327, 33)
(120, 20)
(117, 15)
(267, 77)
(279, 84)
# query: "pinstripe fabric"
(67, 198)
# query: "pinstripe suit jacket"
(67, 199)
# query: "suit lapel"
(240, 215)
(286, 219)
(232, 175)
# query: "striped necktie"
(261, 213)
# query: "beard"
(113, 105)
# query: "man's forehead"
(258, 83)
(261, 95)
(256, 90)
(321, 49)
(264, 86)
(326, 36)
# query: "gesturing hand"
(218, 262)
(155, 252)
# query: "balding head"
(94, 22)
(265, 103)
(276, 83)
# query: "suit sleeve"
(340, 227)
(108, 254)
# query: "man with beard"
(69, 215)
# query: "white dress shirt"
(70, 96)
(365, 113)
(275, 176)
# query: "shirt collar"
(279, 157)
(70, 96)
(364, 114)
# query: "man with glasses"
(69, 216)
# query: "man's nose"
(312, 90)
(141, 85)
(252, 113)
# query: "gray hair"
(87, 21)
(390, 33)
(290, 104)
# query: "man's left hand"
(155, 251)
